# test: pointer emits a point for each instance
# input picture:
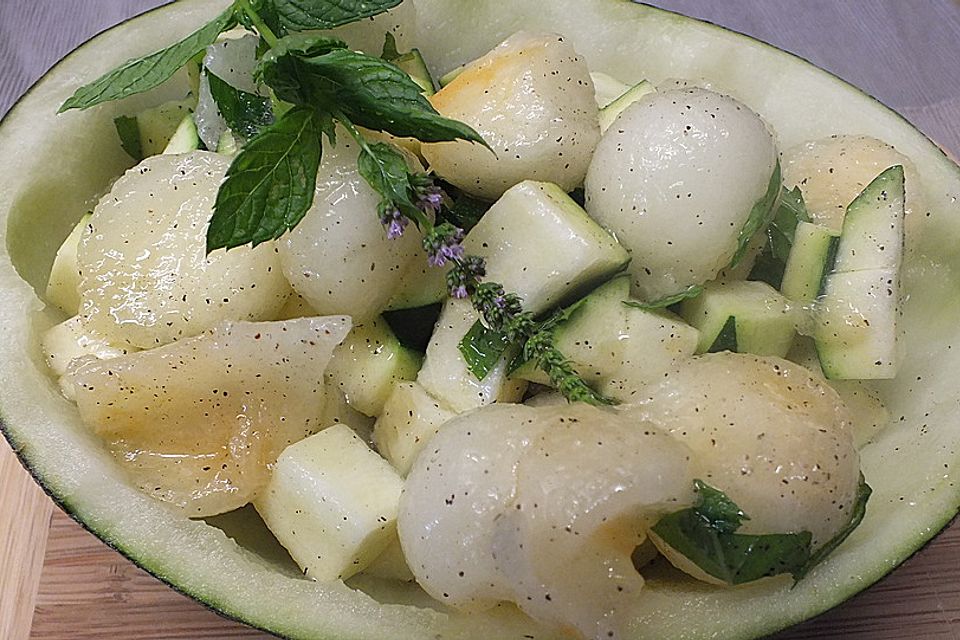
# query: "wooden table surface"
(57, 581)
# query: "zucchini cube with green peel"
(332, 503)
(410, 417)
(541, 245)
(742, 316)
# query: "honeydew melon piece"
(145, 276)
(332, 503)
(65, 274)
(410, 417)
(197, 422)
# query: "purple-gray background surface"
(905, 52)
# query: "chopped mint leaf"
(773, 259)
(760, 215)
(370, 92)
(690, 292)
(269, 187)
(390, 52)
(309, 15)
(481, 348)
(727, 338)
(705, 535)
(856, 517)
(129, 131)
(143, 74)
(245, 113)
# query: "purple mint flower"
(442, 248)
(395, 222)
(500, 302)
(459, 292)
(430, 200)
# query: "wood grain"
(24, 522)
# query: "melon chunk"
(146, 279)
(332, 503)
(198, 422)
(410, 417)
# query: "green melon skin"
(914, 473)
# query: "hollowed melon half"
(53, 167)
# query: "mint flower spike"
(393, 220)
(442, 244)
(429, 198)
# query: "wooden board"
(58, 581)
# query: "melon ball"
(145, 276)
(768, 433)
(831, 173)
(339, 258)
(532, 100)
(676, 178)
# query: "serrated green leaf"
(270, 184)
(760, 215)
(482, 348)
(245, 113)
(283, 69)
(369, 91)
(385, 169)
(309, 15)
(129, 131)
(143, 74)
(690, 292)
(704, 534)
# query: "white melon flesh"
(332, 503)
(196, 423)
(146, 279)
(65, 273)
(660, 181)
(831, 172)
(339, 257)
(767, 433)
(532, 100)
(69, 340)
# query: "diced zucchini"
(618, 348)
(742, 316)
(368, 363)
(227, 145)
(410, 417)
(445, 374)
(542, 245)
(451, 75)
(65, 273)
(185, 138)
(856, 328)
(857, 315)
(68, 340)
(811, 258)
(157, 125)
(607, 88)
(412, 62)
(610, 112)
(332, 503)
(872, 236)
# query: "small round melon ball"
(532, 100)
(831, 173)
(339, 258)
(145, 276)
(675, 178)
(769, 434)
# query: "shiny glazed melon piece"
(197, 422)
(800, 102)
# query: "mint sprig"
(245, 113)
(143, 74)
(270, 184)
(309, 15)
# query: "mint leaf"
(385, 169)
(481, 349)
(856, 517)
(465, 212)
(369, 91)
(269, 187)
(308, 15)
(129, 131)
(282, 68)
(704, 534)
(760, 215)
(245, 113)
(772, 260)
(690, 292)
(390, 52)
(143, 74)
